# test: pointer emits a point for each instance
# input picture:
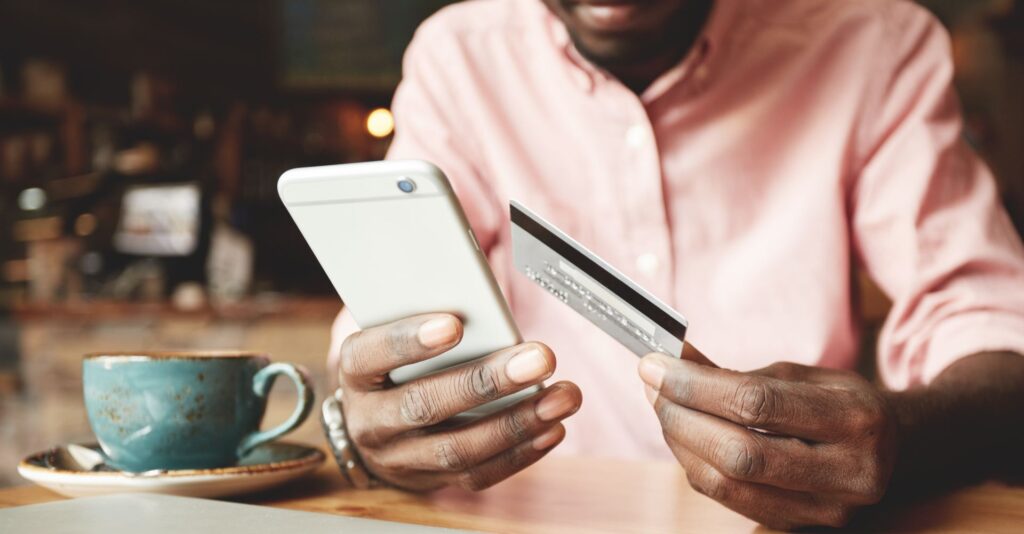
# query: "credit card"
(596, 290)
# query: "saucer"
(268, 465)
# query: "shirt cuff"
(969, 334)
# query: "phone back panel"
(392, 254)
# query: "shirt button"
(636, 135)
(647, 263)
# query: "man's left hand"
(787, 445)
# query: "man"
(737, 158)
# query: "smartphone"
(394, 242)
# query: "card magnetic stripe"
(599, 273)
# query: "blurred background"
(140, 144)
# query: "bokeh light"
(380, 123)
(85, 224)
(32, 199)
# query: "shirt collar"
(582, 72)
(698, 61)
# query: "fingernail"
(652, 394)
(555, 405)
(527, 366)
(438, 332)
(652, 371)
(549, 438)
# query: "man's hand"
(824, 444)
(398, 430)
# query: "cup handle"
(261, 384)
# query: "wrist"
(910, 417)
(351, 464)
(963, 427)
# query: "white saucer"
(266, 466)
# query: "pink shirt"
(798, 139)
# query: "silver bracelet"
(351, 464)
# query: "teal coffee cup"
(185, 410)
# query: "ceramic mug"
(185, 410)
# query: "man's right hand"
(397, 429)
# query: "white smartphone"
(394, 241)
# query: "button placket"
(647, 207)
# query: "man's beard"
(628, 51)
(633, 49)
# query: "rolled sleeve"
(928, 224)
(972, 333)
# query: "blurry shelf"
(17, 114)
(244, 310)
(66, 119)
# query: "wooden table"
(586, 495)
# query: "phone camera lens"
(406, 185)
